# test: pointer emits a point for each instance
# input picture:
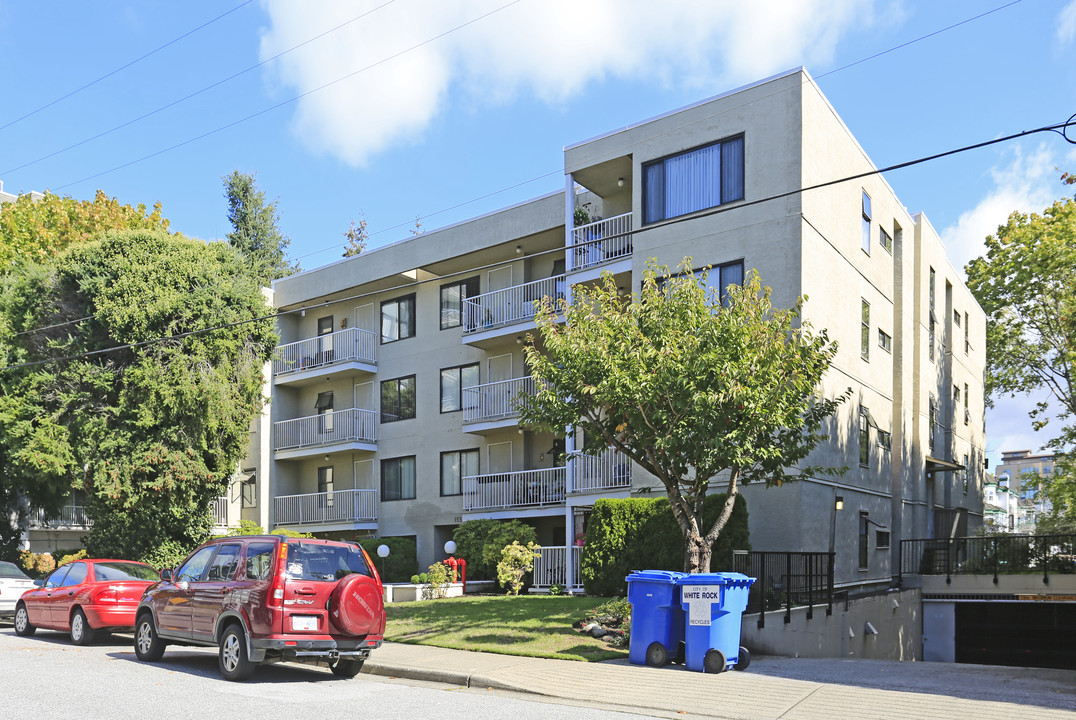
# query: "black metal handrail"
(786, 579)
(989, 555)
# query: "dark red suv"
(264, 599)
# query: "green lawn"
(535, 626)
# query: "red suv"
(264, 599)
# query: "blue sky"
(446, 109)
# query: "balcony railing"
(496, 400)
(594, 473)
(525, 488)
(341, 426)
(786, 580)
(69, 516)
(352, 344)
(990, 555)
(326, 507)
(219, 508)
(550, 568)
(508, 306)
(600, 242)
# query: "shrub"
(73, 556)
(36, 565)
(516, 561)
(402, 561)
(439, 578)
(167, 555)
(630, 534)
(480, 543)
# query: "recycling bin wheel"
(744, 660)
(714, 661)
(657, 655)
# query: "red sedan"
(85, 597)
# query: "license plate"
(304, 622)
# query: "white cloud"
(549, 48)
(1066, 24)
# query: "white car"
(13, 583)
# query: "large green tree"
(255, 231)
(692, 389)
(1026, 283)
(132, 368)
(35, 230)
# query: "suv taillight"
(276, 589)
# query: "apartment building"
(392, 411)
(1021, 472)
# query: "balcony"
(550, 568)
(494, 405)
(347, 507)
(219, 508)
(340, 431)
(302, 362)
(503, 491)
(491, 314)
(70, 517)
(600, 243)
(609, 471)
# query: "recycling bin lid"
(719, 578)
(657, 576)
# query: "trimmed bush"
(402, 561)
(641, 534)
(480, 543)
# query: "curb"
(443, 676)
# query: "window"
(881, 539)
(956, 399)
(324, 406)
(965, 473)
(398, 319)
(77, 575)
(967, 415)
(730, 273)
(453, 381)
(694, 180)
(259, 560)
(885, 440)
(325, 479)
(864, 525)
(398, 478)
(956, 317)
(452, 297)
(931, 291)
(932, 417)
(865, 331)
(885, 341)
(248, 485)
(224, 563)
(866, 212)
(931, 319)
(325, 325)
(864, 437)
(398, 399)
(885, 240)
(967, 329)
(192, 570)
(455, 466)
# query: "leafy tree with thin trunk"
(1026, 284)
(358, 236)
(255, 229)
(694, 387)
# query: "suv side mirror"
(166, 574)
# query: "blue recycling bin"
(657, 617)
(713, 605)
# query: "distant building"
(1022, 474)
(6, 197)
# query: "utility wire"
(124, 67)
(1059, 128)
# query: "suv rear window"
(324, 562)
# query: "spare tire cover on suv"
(356, 606)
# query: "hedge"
(480, 543)
(624, 535)
(402, 561)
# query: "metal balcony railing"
(508, 306)
(594, 473)
(600, 242)
(326, 507)
(352, 425)
(496, 400)
(786, 580)
(352, 344)
(550, 569)
(219, 508)
(73, 516)
(990, 555)
(525, 488)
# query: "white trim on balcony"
(489, 314)
(69, 517)
(524, 488)
(549, 569)
(219, 508)
(600, 242)
(496, 404)
(350, 507)
(340, 431)
(611, 470)
(351, 349)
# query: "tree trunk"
(697, 554)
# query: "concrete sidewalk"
(787, 688)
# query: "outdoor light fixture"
(519, 339)
(450, 547)
(840, 503)
(868, 629)
(519, 249)
(620, 182)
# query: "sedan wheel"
(81, 632)
(23, 628)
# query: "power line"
(127, 65)
(193, 94)
(1059, 128)
(290, 100)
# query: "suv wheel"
(23, 628)
(81, 632)
(148, 646)
(234, 664)
(346, 668)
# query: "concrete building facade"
(1021, 473)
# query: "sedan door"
(38, 602)
(65, 596)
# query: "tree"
(1026, 284)
(136, 401)
(686, 387)
(256, 234)
(357, 237)
(33, 231)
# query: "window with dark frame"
(452, 297)
(967, 331)
(865, 210)
(965, 473)
(881, 539)
(967, 415)
(864, 538)
(248, 488)
(453, 381)
(885, 341)
(931, 319)
(864, 437)
(398, 319)
(865, 330)
(325, 325)
(932, 418)
(456, 465)
(398, 399)
(694, 180)
(885, 240)
(324, 406)
(730, 273)
(398, 478)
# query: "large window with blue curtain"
(694, 180)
